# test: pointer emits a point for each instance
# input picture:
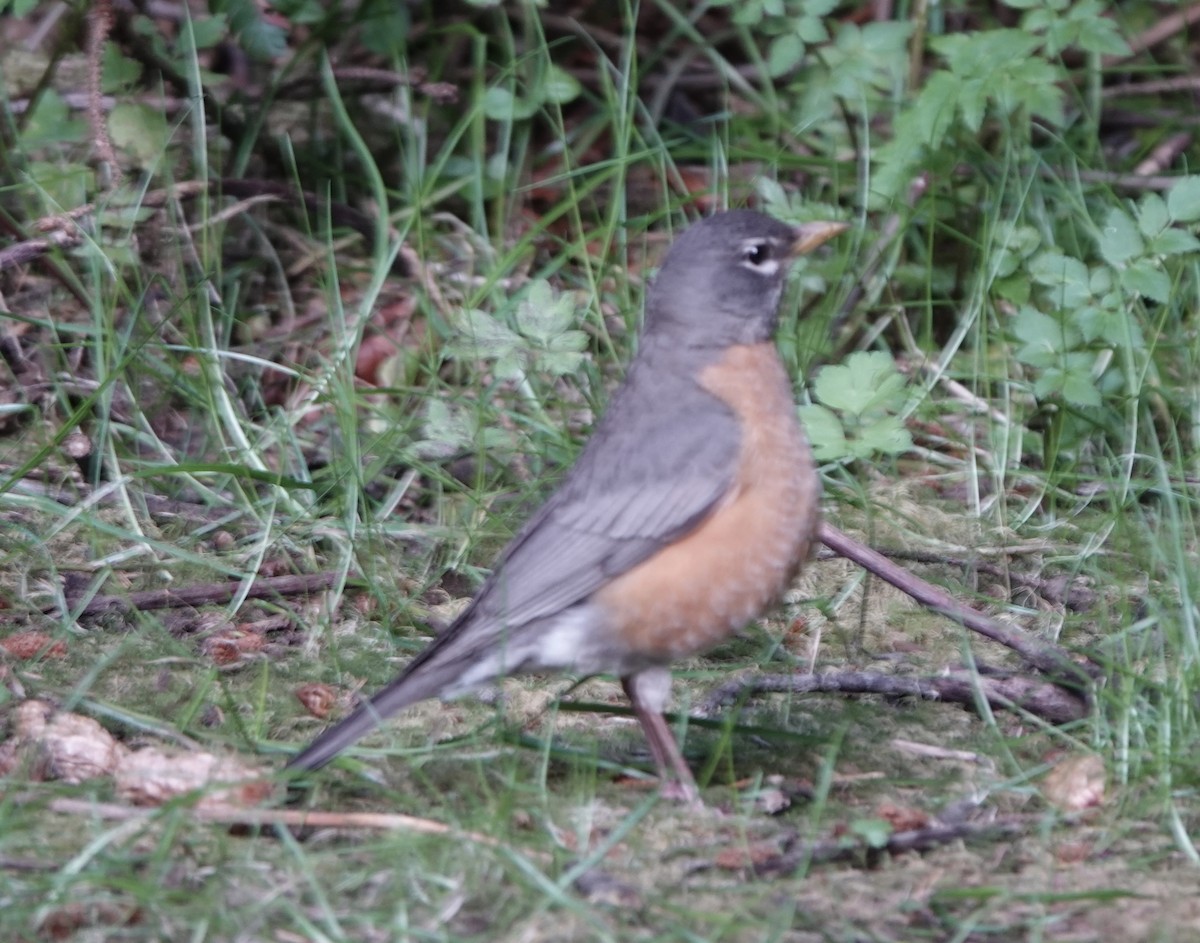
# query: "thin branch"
(209, 594)
(1047, 658)
(1040, 698)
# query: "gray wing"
(642, 482)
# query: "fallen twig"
(209, 594)
(288, 818)
(797, 854)
(1013, 692)
(1047, 658)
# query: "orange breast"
(694, 592)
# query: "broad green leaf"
(867, 381)
(1152, 215)
(118, 71)
(1013, 245)
(560, 363)
(1147, 280)
(933, 111)
(811, 28)
(52, 124)
(541, 314)
(825, 433)
(140, 131)
(1097, 33)
(1063, 273)
(479, 336)
(207, 31)
(500, 104)
(886, 436)
(1173, 242)
(1014, 288)
(1183, 200)
(1080, 389)
(559, 86)
(875, 832)
(784, 54)
(65, 185)
(1119, 238)
(1044, 339)
(1100, 281)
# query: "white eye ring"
(757, 256)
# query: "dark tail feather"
(407, 689)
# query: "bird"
(688, 512)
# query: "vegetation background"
(303, 306)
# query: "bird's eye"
(758, 253)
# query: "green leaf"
(1013, 244)
(561, 363)
(1014, 288)
(934, 109)
(875, 832)
(811, 29)
(51, 124)
(1146, 279)
(65, 185)
(867, 381)
(207, 31)
(500, 104)
(542, 315)
(1044, 339)
(1183, 200)
(1119, 238)
(1111, 324)
(1079, 389)
(559, 86)
(260, 38)
(825, 433)
(1098, 34)
(1065, 275)
(772, 194)
(118, 71)
(444, 432)
(784, 54)
(1173, 242)
(479, 336)
(140, 131)
(1153, 216)
(886, 435)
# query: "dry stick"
(156, 505)
(1047, 658)
(918, 839)
(1163, 156)
(1040, 698)
(22, 253)
(1059, 590)
(209, 594)
(291, 818)
(1160, 32)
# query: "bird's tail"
(426, 676)
(366, 717)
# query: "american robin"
(688, 512)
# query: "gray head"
(721, 281)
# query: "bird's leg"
(648, 691)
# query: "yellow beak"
(810, 235)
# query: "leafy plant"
(855, 416)
(538, 337)
(1084, 313)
